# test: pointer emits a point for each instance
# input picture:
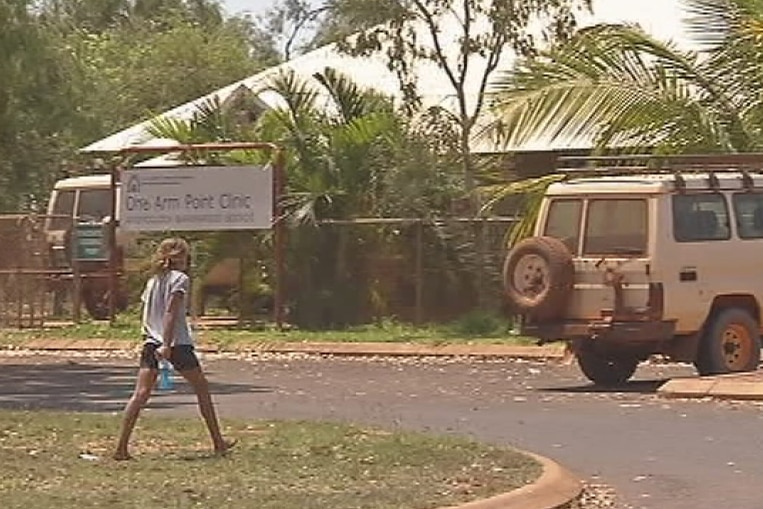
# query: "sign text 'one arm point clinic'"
(196, 198)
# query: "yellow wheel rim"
(737, 347)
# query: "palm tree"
(351, 156)
(620, 87)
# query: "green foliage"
(483, 327)
(72, 71)
(480, 323)
(34, 106)
(355, 157)
(531, 191)
(408, 34)
(139, 70)
(618, 86)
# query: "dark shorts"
(182, 357)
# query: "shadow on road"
(631, 387)
(91, 388)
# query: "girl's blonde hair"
(168, 249)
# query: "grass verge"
(56, 460)
(473, 329)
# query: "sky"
(253, 7)
(668, 25)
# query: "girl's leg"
(198, 381)
(140, 396)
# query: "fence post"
(112, 245)
(482, 258)
(76, 275)
(419, 271)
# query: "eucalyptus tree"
(34, 105)
(294, 24)
(464, 39)
(132, 59)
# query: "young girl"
(168, 336)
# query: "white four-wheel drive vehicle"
(88, 199)
(627, 264)
(85, 199)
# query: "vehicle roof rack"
(747, 181)
(640, 163)
(677, 165)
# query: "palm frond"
(349, 99)
(172, 128)
(532, 191)
(711, 23)
(299, 96)
(601, 84)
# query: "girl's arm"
(170, 318)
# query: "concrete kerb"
(555, 488)
(410, 349)
(746, 386)
(322, 348)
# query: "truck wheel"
(538, 276)
(606, 371)
(96, 300)
(96, 303)
(731, 343)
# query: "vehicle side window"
(563, 222)
(700, 217)
(748, 209)
(62, 206)
(616, 226)
(94, 204)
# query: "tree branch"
(299, 24)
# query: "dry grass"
(60, 460)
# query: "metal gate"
(24, 271)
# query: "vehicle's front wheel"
(731, 343)
(96, 300)
(606, 370)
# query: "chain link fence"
(338, 272)
(345, 272)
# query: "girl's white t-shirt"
(156, 300)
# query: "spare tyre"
(538, 276)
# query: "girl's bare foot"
(225, 447)
(122, 456)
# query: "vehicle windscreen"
(94, 204)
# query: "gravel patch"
(598, 496)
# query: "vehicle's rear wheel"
(538, 276)
(731, 343)
(606, 370)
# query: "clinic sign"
(196, 198)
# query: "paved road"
(659, 454)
